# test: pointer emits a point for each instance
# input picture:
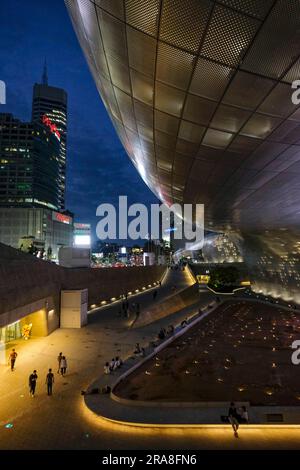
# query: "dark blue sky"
(98, 169)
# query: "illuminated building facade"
(274, 260)
(222, 248)
(48, 229)
(199, 92)
(82, 235)
(49, 107)
(29, 169)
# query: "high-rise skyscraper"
(49, 107)
(29, 171)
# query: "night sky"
(98, 169)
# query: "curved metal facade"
(199, 92)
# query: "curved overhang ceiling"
(199, 93)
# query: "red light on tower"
(52, 127)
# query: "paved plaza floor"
(63, 421)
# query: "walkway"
(64, 422)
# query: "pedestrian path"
(86, 349)
(63, 421)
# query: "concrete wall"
(39, 322)
(172, 304)
(73, 308)
(25, 279)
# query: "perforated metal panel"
(229, 118)
(247, 90)
(143, 113)
(115, 7)
(277, 45)
(114, 36)
(293, 73)
(260, 126)
(217, 139)
(166, 123)
(119, 73)
(141, 51)
(143, 15)
(243, 145)
(182, 164)
(183, 22)
(210, 79)
(213, 87)
(145, 133)
(278, 102)
(186, 147)
(126, 109)
(256, 8)
(174, 66)
(229, 35)
(168, 99)
(142, 87)
(198, 110)
(191, 132)
(288, 132)
(164, 140)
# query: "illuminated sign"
(79, 226)
(245, 283)
(51, 126)
(58, 217)
(82, 240)
(203, 278)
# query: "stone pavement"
(64, 422)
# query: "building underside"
(199, 92)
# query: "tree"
(224, 276)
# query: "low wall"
(106, 283)
(25, 279)
(172, 304)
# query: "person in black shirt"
(49, 381)
(32, 383)
(233, 419)
(12, 357)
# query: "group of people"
(139, 351)
(163, 333)
(237, 416)
(62, 364)
(114, 364)
(62, 369)
(33, 380)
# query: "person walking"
(63, 366)
(32, 383)
(244, 415)
(233, 418)
(49, 382)
(137, 311)
(12, 359)
(59, 358)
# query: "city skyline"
(33, 39)
(136, 320)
